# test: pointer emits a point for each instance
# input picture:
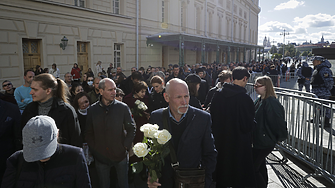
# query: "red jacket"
(75, 73)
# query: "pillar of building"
(263, 54)
(244, 54)
(250, 55)
(181, 51)
(203, 48)
(228, 54)
(217, 53)
(238, 54)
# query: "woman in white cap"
(44, 162)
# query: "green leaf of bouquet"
(137, 167)
(154, 175)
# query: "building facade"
(127, 33)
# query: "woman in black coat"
(156, 100)
(271, 127)
(193, 81)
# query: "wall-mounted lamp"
(63, 44)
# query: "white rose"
(145, 107)
(149, 130)
(140, 149)
(137, 102)
(162, 136)
(140, 106)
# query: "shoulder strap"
(174, 162)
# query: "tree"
(305, 53)
(297, 54)
(287, 53)
(273, 49)
(276, 56)
(310, 54)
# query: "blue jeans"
(103, 171)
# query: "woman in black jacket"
(271, 127)
(157, 100)
(193, 81)
(50, 98)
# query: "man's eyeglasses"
(167, 74)
(133, 70)
(119, 95)
(7, 85)
(257, 86)
(89, 80)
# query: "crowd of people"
(214, 124)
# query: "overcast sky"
(303, 19)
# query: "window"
(240, 12)
(79, 3)
(117, 55)
(163, 11)
(245, 15)
(116, 6)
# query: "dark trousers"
(260, 169)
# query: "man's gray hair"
(103, 81)
(167, 88)
(67, 73)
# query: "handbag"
(183, 177)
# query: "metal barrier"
(309, 141)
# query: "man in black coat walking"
(10, 132)
(233, 112)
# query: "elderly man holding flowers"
(192, 139)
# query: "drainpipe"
(137, 10)
(206, 18)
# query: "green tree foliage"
(305, 53)
(297, 54)
(288, 48)
(276, 56)
(273, 49)
(287, 53)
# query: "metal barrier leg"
(284, 160)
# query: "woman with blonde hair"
(271, 127)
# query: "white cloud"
(300, 30)
(291, 4)
(315, 21)
(275, 26)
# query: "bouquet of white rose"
(139, 108)
(153, 149)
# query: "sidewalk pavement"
(289, 175)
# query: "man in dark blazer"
(191, 134)
(10, 132)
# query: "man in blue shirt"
(21, 94)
